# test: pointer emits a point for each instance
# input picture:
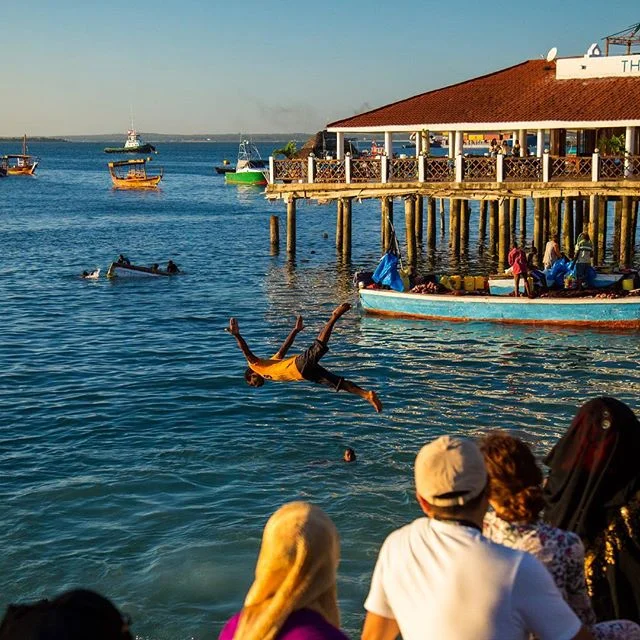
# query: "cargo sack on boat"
(556, 274)
(386, 272)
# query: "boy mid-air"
(301, 367)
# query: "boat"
(595, 311)
(132, 174)
(250, 168)
(123, 270)
(3, 167)
(503, 286)
(133, 144)
(225, 167)
(91, 275)
(20, 164)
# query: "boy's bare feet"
(372, 398)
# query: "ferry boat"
(20, 164)
(250, 168)
(132, 174)
(133, 144)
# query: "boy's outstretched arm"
(234, 330)
(298, 327)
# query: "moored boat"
(132, 174)
(133, 144)
(596, 311)
(20, 164)
(250, 169)
(123, 270)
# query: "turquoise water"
(134, 458)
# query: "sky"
(256, 66)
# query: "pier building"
(583, 113)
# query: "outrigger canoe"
(597, 311)
(121, 270)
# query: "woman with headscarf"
(294, 594)
(515, 497)
(593, 489)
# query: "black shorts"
(309, 368)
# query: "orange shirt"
(280, 370)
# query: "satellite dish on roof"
(553, 52)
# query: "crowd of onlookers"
(502, 553)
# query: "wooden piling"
(602, 229)
(554, 217)
(578, 226)
(274, 229)
(625, 232)
(346, 229)
(594, 206)
(567, 227)
(419, 216)
(454, 227)
(538, 215)
(513, 216)
(545, 230)
(634, 226)
(482, 222)
(386, 224)
(431, 225)
(523, 222)
(503, 233)
(493, 228)
(291, 227)
(339, 229)
(442, 216)
(410, 227)
(617, 222)
(465, 215)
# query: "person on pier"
(303, 366)
(517, 259)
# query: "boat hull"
(245, 177)
(144, 148)
(22, 171)
(504, 286)
(150, 182)
(117, 270)
(618, 313)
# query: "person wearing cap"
(438, 577)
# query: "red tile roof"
(526, 92)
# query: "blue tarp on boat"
(386, 272)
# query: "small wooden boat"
(597, 311)
(133, 144)
(132, 174)
(20, 164)
(123, 270)
(503, 286)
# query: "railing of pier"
(426, 169)
(479, 169)
(527, 169)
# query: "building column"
(452, 144)
(540, 143)
(340, 145)
(388, 143)
(522, 139)
(459, 143)
(418, 143)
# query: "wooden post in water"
(567, 227)
(482, 222)
(523, 222)
(346, 229)
(602, 229)
(386, 223)
(465, 215)
(291, 227)
(442, 216)
(410, 227)
(274, 229)
(493, 228)
(594, 220)
(431, 225)
(634, 226)
(545, 229)
(617, 223)
(554, 217)
(454, 228)
(538, 216)
(578, 226)
(419, 215)
(339, 229)
(503, 233)
(513, 216)
(625, 232)
(586, 216)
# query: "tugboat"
(250, 168)
(19, 164)
(134, 144)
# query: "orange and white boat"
(20, 164)
(132, 174)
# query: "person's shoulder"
(398, 536)
(229, 629)
(311, 624)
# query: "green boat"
(250, 168)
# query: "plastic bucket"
(469, 283)
(456, 282)
(627, 284)
(445, 281)
(479, 283)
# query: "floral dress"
(562, 552)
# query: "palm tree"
(288, 151)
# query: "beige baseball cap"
(450, 471)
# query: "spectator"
(515, 495)
(517, 260)
(583, 255)
(438, 577)
(75, 615)
(551, 252)
(294, 594)
(516, 149)
(593, 489)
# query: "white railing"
(476, 169)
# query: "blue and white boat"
(503, 286)
(608, 313)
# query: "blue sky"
(212, 66)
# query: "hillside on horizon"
(196, 137)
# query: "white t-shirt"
(446, 581)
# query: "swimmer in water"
(349, 455)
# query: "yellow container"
(456, 282)
(479, 282)
(627, 284)
(445, 281)
(469, 283)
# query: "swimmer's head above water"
(349, 455)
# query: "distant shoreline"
(167, 137)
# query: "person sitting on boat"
(122, 259)
(301, 367)
(155, 267)
(172, 267)
(551, 252)
(517, 259)
(584, 252)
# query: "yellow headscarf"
(296, 569)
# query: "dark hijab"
(594, 468)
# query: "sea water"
(134, 458)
